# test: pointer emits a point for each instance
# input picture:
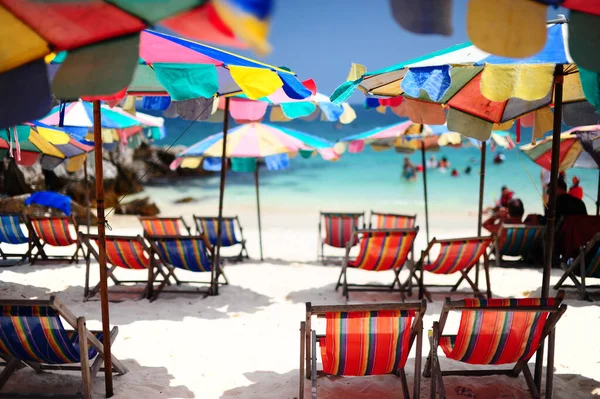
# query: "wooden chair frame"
(321, 239)
(153, 270)
(30, 244)
(496, 249)
(86, 339)
(243, 251)
(309, 337)
(179, 218)
(432, 365)
(155, 252)
(38, 242)
(402, 288)
(423, 291)
(579, 262)
(374, 213)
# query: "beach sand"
(244, 343)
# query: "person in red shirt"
(512, 214)
(576, 190)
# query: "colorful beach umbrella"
(247, 144)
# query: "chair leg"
(582, 273)
(535, 394)
(402, 375)
(9, 369)
(313, 376)
(339, 282)
(550, 365)
(83, 356)
(486, 270)
(302, 359)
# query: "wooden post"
(102, 250)
(258, 210)
(87, 195)
(598, 196)
(481, 188)
(551, 216)
(425, 189)
(217, 257)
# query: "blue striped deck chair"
(32, 334)
(517, 240)
(189, 253)
(11, 232)
(585, 265)
(208, 225)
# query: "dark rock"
(185, 200)
(17, 205)
(141, 207)
(13, 182)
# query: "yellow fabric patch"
(348, 115)
(528, 82)
(75, 163)
(248, 28)
(277, 115)
(356, 72)
(572, 90)
(449, 139)
(340, 147)
(191, 162)
(508, 28)
(503, 126)
(381, 109)
(255, 82)
(19, 44)
(109, 136)
(52, 135)
(469, 125)
(44, 146)
(543, 121)
(500, 140)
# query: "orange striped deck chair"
(379, 250)
(517, 240)
(125, 252)
(188, 253)
(585, 265)
(32, 334)
(56, 232)
(164, 226)
(362, 340)
(378, 220)
(335, 230)
(455, 255)
(493, 332)
(208, 225)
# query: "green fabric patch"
(344, 91)
(188, 81)
(584, 40)
(144, 80)
(298, 109)
(590, 82)
(243, 164)
(153, 11)
(306, 153)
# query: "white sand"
(244, 343)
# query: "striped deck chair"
(380, 250)
(585, 265)
(12, 233)
(56, 232)
(518, 240)
(208, 225)
(127, 252)
(361, 340)
(191, 253)
(32, 334)
(455, 255)
(378, 220)
(335, 230)
(164, 226)
(495, 332)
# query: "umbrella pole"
(258, 210)
(87, 195)
(217, 258)
(102, 250)
(598, 196)
(550, 227)
(425, 190)
(480, 210)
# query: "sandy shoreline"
(244, 343)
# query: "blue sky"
(319, 39)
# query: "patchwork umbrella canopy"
(106, 31)
(247, 144)
(51, 146)
(478, 89)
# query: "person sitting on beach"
(511, 214)
(505, 196)
(409, 170)
(576, 190)
(567, 204)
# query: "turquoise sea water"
(368, 180)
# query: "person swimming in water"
(468, 170)
(499, 158)
(409, 172)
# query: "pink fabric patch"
(247, 110)
(54, 119)
(356, 146)
(527, 120)
(157, 49)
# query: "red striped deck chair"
(380, 250)
(378, 220)
(335, 230)
(209, 224)
(32, 334)
(517, 240)
(362, 340)
(455, 255)
(125, 252)
(189, 253)
(494, 332)
(12, 233)
(164, 226)
(585, 265)
(55, 231)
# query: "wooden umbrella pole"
(102, 249)
(87, 194)
(598, 196)
(258, 210)
(551, 215)
(217, 258)
(480, 210)
(425, 189)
